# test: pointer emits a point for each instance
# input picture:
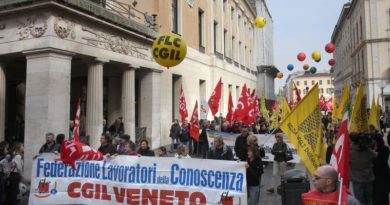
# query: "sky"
(302, 26)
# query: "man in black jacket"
(219, 150)
(241, 145)
(106, 148)
(174, 134)
(279, 165)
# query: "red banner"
(76, 135)
(194, 123)
(242, 105)
(183, 105)
(229, 116)
(215, 98)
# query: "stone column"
(150, 106)
(128, 101)
(2, 101)
(114, 99)
(47, 99)
(94, 124)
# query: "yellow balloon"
(169, 50)
(316, 55)
(280, 75)
(260, 22)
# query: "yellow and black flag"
(303, 127)
(359, 113)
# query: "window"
(362, 55)
(297, 83)
(239, 21)
(299, 91)
(201, 31)
(239, 52)
(320, 82)
(215, 36)
(232, 13)
(361, 27)
(321, 90)
(328, 81)
(233, 47)
(304, 91)
(224, 5)
(225, 39)
(313, 82)
(175, 20)
(305, 82)
(245, 57)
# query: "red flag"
(72, 150)
(183, 105)
(322, 102)
(253, 94)
(329, 104)
(194, 123)
(340, 154)
(242, 105)
(275, 106)
(296, 93)
(229, 116)
(76, 135)
(250, 116)
(215, 98)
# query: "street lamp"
(382, 85)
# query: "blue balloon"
(290, 67)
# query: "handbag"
(288, 156)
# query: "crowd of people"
(369, 170)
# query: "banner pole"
(340, 190)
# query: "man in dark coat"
(106, 148)
(241, 144)
(219, 150)
(174, 134)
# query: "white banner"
(138, 180)
(267, 140)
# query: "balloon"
(313, 70)
(301, 56)
(318, 60)
(280, 75)
(332, 62)
(169, 50)
(305, 67)
(290, 67)
(330, 48)
(316, 55)
(260, 22)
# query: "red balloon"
(332, 62)
(330, 48)
(301, 56)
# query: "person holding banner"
(325, 181)
(106, 148)
(279, 150)
(220, 151)
(254, 170)
(144, 150)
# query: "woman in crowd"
(162, 152)
(254, 170)
(252, 141)
(130, 149)
(144, 150)
(381, 187)
(182, 152)
(16, 174)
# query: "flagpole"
(340, 190)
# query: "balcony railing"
(129, 11)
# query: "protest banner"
(138, 180)
(267, 140)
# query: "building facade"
(363, 48)
(53, 53)
(304, 81)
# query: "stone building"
(54, 52)
(362, 41)
(305, 81)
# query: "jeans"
(363, 192)
(278, 170)
(254, 193)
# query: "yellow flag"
(303, 127)
(275, 119)
(373, 118)
(285, 109)
(359, 114)
(334, 113)
(263, 109)
(343, 101)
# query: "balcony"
(112, 11)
